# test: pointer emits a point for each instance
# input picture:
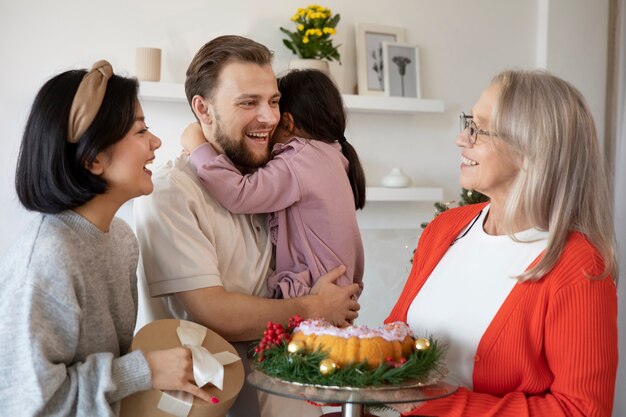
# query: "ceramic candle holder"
(148, 64)
(396, 179)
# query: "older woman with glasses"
(522, 288)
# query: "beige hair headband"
(88, 99)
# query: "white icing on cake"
(396, 331)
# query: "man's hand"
(192, 137)
(241, 317)
(336, 304)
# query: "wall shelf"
(391, 105)
(175, 93)
(403, 194)
(172, 92)
(157, 91)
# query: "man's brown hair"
(206, 65)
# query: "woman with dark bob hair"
(69, 301)
(522, 288)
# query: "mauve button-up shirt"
(305, 185)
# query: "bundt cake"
(356, 344)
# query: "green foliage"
(467, 197)
(312, 39)
(305, 368)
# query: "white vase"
(396, 179)
(318, 64)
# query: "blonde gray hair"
(562, 184)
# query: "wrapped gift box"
(161, 334)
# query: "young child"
(312, 186)
(69, 289)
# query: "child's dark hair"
(52, 174)
(315, 103)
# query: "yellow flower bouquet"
(315, 25)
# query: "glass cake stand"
(353, 400)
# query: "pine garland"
(302, 367)
(467, 197)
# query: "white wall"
(462, 45)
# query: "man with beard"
(203, 263)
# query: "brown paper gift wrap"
(161, 334)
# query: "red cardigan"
(551, 349)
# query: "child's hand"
(192, 137)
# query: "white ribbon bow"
(207, 368)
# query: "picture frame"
(370, 64)
(401, 70)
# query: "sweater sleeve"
(45, 377)
(581, 350)
(272, 187)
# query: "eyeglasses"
(467, 123)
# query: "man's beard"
(237, 150)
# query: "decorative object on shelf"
(312, 39)
(148, 64)
(317, 64)
(369, 55)
(276, 356)
(396, 179)
(401, 70)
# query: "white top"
(189, 241)
(466, 289)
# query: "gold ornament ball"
(422, 344)
(295, 346)
(327, 367)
